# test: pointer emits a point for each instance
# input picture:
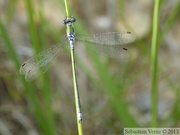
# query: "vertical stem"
(66, 7)
(76, 92)
(32, 26)
(76, 95)
(154, 66)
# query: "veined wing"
(111, 44)
(40, 63)
(110, 38)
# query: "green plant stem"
(66, 8)
(154, 66)
(32, 27)
(76, 92)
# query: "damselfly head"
(69, 20)
(64, 22)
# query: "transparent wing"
(111, 44)
(40, 63)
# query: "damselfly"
(105, 43)
(111, 44)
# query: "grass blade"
(154, 65)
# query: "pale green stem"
(66, 7)
(76, 92)
(154, 66)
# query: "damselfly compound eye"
(64, 22)
(73, 19)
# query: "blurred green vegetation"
(110, 83)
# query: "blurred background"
(114, 94)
